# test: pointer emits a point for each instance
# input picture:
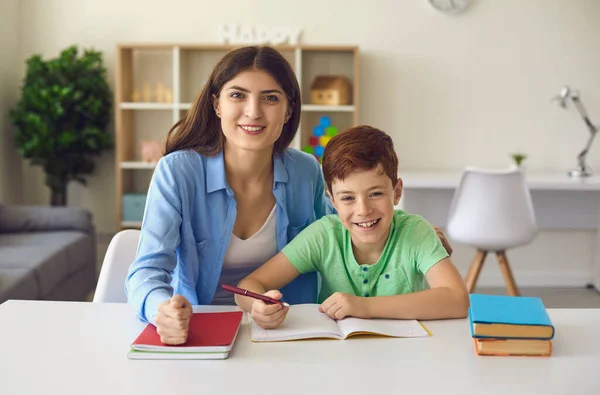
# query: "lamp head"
(565, 93)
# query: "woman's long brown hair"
(200, 129)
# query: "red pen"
(250, 294)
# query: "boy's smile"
(368, 224)
(365, 202)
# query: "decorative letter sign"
(234, 34)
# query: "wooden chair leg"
(474, 270)
(511, 286)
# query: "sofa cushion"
(18, 283)
(24, 219)
(51, 256)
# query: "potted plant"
(518, 158)
(61, 120)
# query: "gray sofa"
(46, 253)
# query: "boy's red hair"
(359, 148)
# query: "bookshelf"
(182, 69)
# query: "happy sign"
(234, 34)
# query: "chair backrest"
(119, 256)
(492, 210)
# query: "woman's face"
(253, 109)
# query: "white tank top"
(244, 256)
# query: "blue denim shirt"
(188, 222)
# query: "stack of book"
(210, 336)
(510, 325)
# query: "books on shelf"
(305, 321)
(510, 325)
(211, 336)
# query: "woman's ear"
(216, 106)
(398, 191)
(288, 114)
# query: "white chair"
(119, 256)
(492, 211)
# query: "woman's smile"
(252, 129)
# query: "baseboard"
(538, 279)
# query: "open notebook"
(304, 321)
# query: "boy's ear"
(329, 195)
(398, 191)
(216, 105)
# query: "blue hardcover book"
(510, 317)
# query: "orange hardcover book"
(513, 347)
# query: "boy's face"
(365, 203)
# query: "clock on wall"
(450, 6)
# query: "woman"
(228, 194)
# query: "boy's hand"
(340, 305)
(173, 320)
(269, 316)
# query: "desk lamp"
(562, 99)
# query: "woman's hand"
(269, 316)
(443, 239)
(340, 305)
(173, 320)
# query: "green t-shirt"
(411, 249)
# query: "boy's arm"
(446, 298)
(276, 273)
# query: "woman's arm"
(148, 281)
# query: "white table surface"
(81, 348)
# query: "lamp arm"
(593, 128)
(583, 154)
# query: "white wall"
(452, 91)
(10, 165)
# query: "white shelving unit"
(138, 165)
(147, 106)
(321, 108)
(131, 224)
(183, 68)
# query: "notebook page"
(303, 321)
(388, 327)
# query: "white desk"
(561, 203)
(536, 181)
(81, 348)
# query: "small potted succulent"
(518, 159)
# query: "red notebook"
(209, 333)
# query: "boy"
(372, 260)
